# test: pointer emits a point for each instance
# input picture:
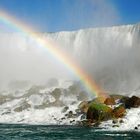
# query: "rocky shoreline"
(70, 107)
(98, 110)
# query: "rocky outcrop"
(132, 102)
(118, 112)
(111, 108)
(117, 97)
(99, 112)
(22, 107)
(128, 102)
(65, 109)
(110, 101)
(99, 100)
(56, 93)
(83, 106)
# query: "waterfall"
(110, 55)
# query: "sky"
(67, 15)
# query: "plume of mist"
(21, 59)
(110, 55)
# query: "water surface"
(42, 132)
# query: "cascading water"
(110, 55)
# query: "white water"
(41, 105)
(130, 121)
(110, 55)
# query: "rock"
(115, 125)
(42, 106)
(83, 106)
(56, 103)
(33, 90)
(109, 101)
(86, 123)
(99, 100)
(119, 111)
(5, 98)
(121, 121)
(99, 112)
(114, 121)
(70, 114)
(136, 128)
(63, 118)
(117, 96)
(7, 112)
(98, 109)
(65, 109)
(96, 124)
(56, 93)
(74, 102)
(134, 101)
(23, 106)
(83, 117)
(21, 120)
(78, 111)
(72, 121)
(124, 100)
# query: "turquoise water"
(41, 132)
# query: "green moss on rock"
(99, 112)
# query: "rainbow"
(88, 83)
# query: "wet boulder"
(119, 98)
(114, 121)
(110, 101)
(57, 103)
(70, 114)
(99, 100)
(99, 112)
(56, 93)
(65, 109)
(119, 112)
(83, 106)
(134, 101)
(86, 123)
(4, 98)
(124, 100)
(22, 107)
